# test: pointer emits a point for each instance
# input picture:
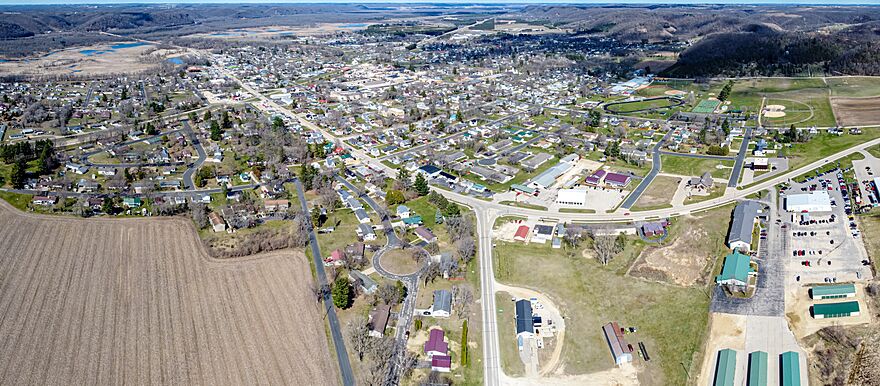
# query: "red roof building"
(441, 363)
(521, 233)
(436, 346)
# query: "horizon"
(449, 2)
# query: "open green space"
(506, 317)
(671, 320)
(823, 145)
(689, 166)
(807, 107)
(658, 195)
(636, 106)
(19, 201)
(706, 106)
(854, 87)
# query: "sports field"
(706, 106)
(138, 301)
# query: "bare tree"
(465, 248)
(389, 294)
(299, 234)
(358, 336)
(199, 214)
(606, 247)
(464, 298)
(431, 273)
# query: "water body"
(113, 48)
(353, 25)
(175, 60)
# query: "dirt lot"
(694, 244)
(856, 111)
(659, 193)
(136, 301)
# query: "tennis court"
(706, 106)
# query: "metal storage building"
(789, 369)
(757, 369)
(725, 369)
(836, 291)
(617, 344)
(836, 310)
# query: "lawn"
(506, 316)
(803, 108)
(854, 87)
(636, 106)
(659, 194)
(523, 205)
(689, 166)
(345, 233)
(869, 223)
(19, 201)
(399, 261)
(671, 320)
(824, 145)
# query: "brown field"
(72, 62)
(856, 111)
(138, 301)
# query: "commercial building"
(573, 197)
(836, 291)
(620, 350)
(818, 201)
(735, 272)
(835, 310)
(757, 369)
(524, 321)
(725, 368)
(790, 369)
(739, 237)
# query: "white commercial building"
(574, 197)
(817, 201)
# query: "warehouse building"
(525, 326)
(744, 216)
(790, 369)
(725, 368)
(837, 291)
(573, 197)
(835, 310)
(735, 272)
(757, 369)
(818, 201)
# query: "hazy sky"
(826, 2)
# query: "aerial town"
(425, 194)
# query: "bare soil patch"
(138, 301)
(399, 261)
(856, 111)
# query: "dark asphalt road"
(740, 159)
(335, 329)
(655, 168)
(187, 175)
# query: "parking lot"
(825, 247)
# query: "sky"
(730, 2)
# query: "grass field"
(806, 107)
(671, 320)
(636, 106)
(689, 166)
(658, 195)
(854, 87)
(506, 315)
(19, 201)
(823, 145)
(137, 301)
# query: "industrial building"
(835, 310)
(573, 197)
(790, 369)
(725, 368)
(525, 327)
(813, 202)
(757, 375)
(837, 291)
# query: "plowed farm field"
(138, 301)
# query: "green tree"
(277, 123)
(19, 173)
(421, 185)
(307, 176)
(224, 120)
(595, 117)
(107, 206)
(464, 343)
(613, 150)
(216, 132)
(403, 176)
(451, 210)
(394, 197)
(342, 293)
(401, 290)
(207, 116)
(45, 161)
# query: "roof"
(817, 201)
(366, 281)
(442, 300)
(547, 178)
(430, 169)
(365, 229)
(522, 232)
(435, 342)
(743, 222)
(791, 369)
(836, 308)
(615, 340)
(831, 290)
(545, 230)
(726, 367)
(736, 266)
(412, 220)
(424, 233)
(757, 375)
(522, 188)
(524, 317)
(617, 178)
(379, 318)
(443, 361)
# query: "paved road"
(700, 156)
(197, 144)
(176, 193)
(335, 329)
(740, 159)
(655, 168)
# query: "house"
(425, 235)
(735, 272)
(365, 232)
(355, 251)
(367, 284)
(106, 171)
(131, 202)
(379, 320)
(441, 363)
(621, 351)
(429, 171)
(44, 200)
(436, 344)
(653, 228)
(703, 182)
(336, 258)
(403, 211)
(217, 223)
(542, 233)
(412, 221)
(442, 306)
(739, 237)
(362, 216)
(522, 233)
(276, 205)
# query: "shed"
(619, 348)
(789, 369)
(757, 369)
(837, 291)
(725, 368)
(836, 310)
